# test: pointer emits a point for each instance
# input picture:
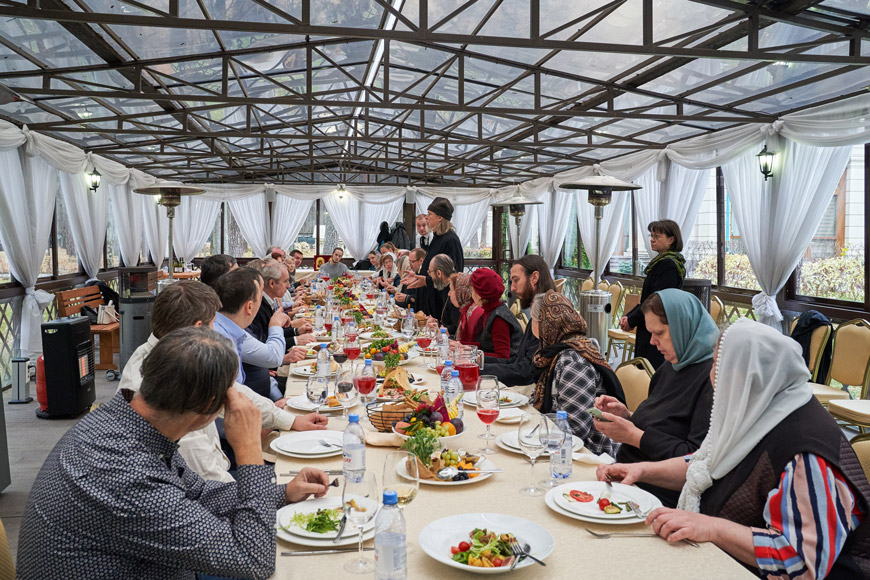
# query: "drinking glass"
(532, 435)
(488, 396)
(340, 357)
(424, 339)
(409, 327)
(352, 348)
(359, 499)
(555, 439)
(365, 383)
(345, 391)
(351, 330)
(406, 485)
(317, 389)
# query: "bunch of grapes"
(450, 458)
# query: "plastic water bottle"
(323, 366)
(446, 373)
(318, 318)
(390, 550)
(562, 460)
(353, 452)
(337, 330)
(454, 391)
(443, 345)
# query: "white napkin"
(603, 459)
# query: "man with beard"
(440, 270)
(530, 275)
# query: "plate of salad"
(315, 522)
(479, 542)
(593, 501)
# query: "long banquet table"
(576, 555)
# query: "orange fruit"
(451, 429)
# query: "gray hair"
(537, 306)
(444, 264)
(271, 270)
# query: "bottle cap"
(454, 373)
(322, 345)
(368, 362)
(353, 418)
(448, 363)
(390, 497)
(561, 414)
(443, 330)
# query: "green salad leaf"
(319, 522)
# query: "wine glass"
(424, 339)
(359, 499)
(365, 382)
(352, 348)
(532, 435)
(317, 390)
(340, 357)
(345, 391)
(555, 439)
(401, 475)
(488, 397)
(409, 327)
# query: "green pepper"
(461, 557)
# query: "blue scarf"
(693, 332)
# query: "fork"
(326, 443)
(643, 515)
(520, 553)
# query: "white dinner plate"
(307, 443)
(306, 371)
(368, 335)
(437, 538)
(349, 537)
(509, 442)
(619, 494)
(550, 500)
(301, 403)
(402, 470)
(511, 399)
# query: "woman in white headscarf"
(775, 483)
(388, 275)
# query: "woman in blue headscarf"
(675, 417)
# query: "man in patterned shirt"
(115, 499)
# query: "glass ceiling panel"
(119, 6)
(671, 133)
(595, 65)
(356, 14)
(24, 112)
(463, 23)
(273, 61)
(48, 41)
(192, 71)
(11, 61)
(517, 54)
(851, 81)
(511, 19)
(152, 42)
(674, 17)
(858, 6)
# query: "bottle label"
(390, 556)
(354, 458)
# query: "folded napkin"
(378, 439)
(603, 459)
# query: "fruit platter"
(431, 460)
(430, 416)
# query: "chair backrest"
(616, 290)
(560, 283)
(850, 361)
(70, 302)
(861, 446)
(634, 375)
(717, 309)
(818, 340)
(588, 284)
(7, 567)
(629, 302)
(603, 285)
(516, 310)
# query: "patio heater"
(595, 305)
(169, 196)
(517, 208)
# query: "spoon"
(446, 473)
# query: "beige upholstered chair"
(618, 336)
(616, 291)
(521, 318)
(560, 283)
(717, 309)
(817, 345)
(861, 445)
(635, 375)
(7, 568)
(850, 362)
(588, 284)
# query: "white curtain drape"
(553, 217)
(252, 216)
(358, 222)
(129, 224)
(288, 217)
(611, 225)
(87, 212)
(28, 186)
(194, 221)
(468, 211)
(156, 227)
(778, 218)
(678, 198)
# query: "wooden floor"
(30, 440)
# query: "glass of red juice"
(468, 374)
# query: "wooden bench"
(70, 302)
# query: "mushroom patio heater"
(595, 305)
(517, 208)
(169, 196)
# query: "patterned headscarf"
(462, 289)
(560, 327)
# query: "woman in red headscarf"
(497, 330)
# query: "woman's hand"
(676, 525)
(619, 429)
(623, 324)
(627, 473)
(608, 404)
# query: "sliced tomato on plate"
(581, 496)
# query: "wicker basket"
(383, 415)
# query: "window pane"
(67, 262)
(329, 237)
(480, 245)
(569, 250)
(833, 265)
(738, 271)
(305, 242)
(534, 246)
(5, 276)
(113, 247)
(699, 247)
(620, 263)
(235, 242)
(213, 244)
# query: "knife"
(327, 471)
(340, 529)
(316, 552)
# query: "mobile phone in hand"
(597, 414)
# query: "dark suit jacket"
(519, 370)
(257, 378)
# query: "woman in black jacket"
(666, 270)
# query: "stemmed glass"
(317, 389)
(352, 347)
(409, 327)
(350, 330)
(553, 444)
(488, 395)
(424, 339)
(365, 382)
(345, 391)
(532, 435)
(401, 474)
(359, 499)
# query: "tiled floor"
(30, 440)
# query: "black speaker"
(69, 367)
